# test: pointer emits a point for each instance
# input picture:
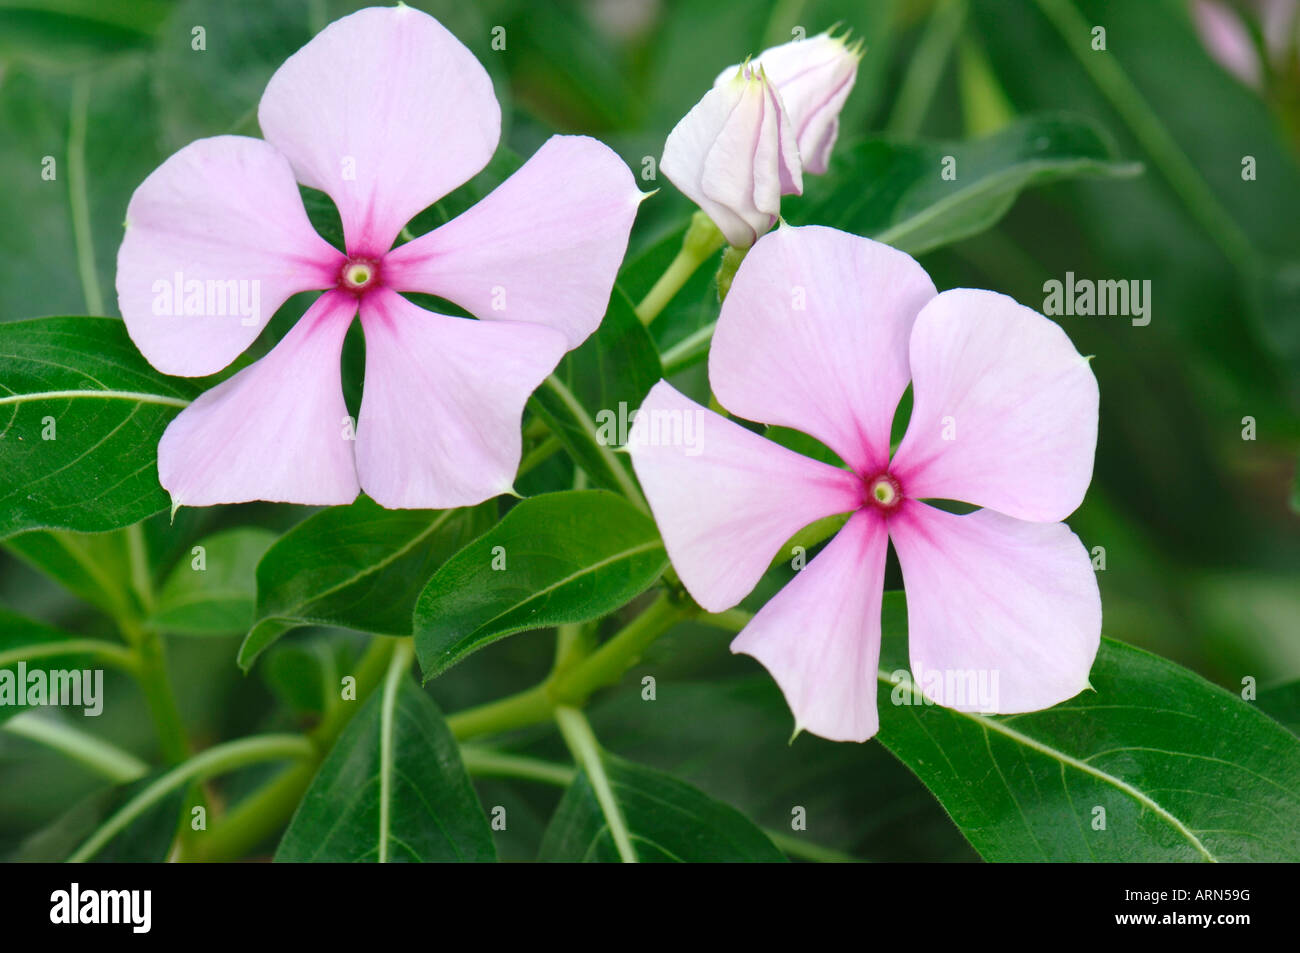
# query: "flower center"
(884, 492)
(358, 274)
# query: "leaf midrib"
(989, 724)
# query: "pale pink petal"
(725, 498)
(278, 430)
(1227, 39)
(819, 637)
(442, 403)
(543, 248)
(1004, 410)
(386, 112)
(734, 155)
(1003, 615)
(216, 240)
(814, 77)
(813, 335)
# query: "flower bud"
(814, 77)
(734, 155)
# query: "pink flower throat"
(359, 275)
(883, 492)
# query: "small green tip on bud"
(176, 505)
(798, 730)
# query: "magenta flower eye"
(386, 112)
(822, 332)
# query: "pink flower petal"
(386, 112)
(813, 335)
(819, 637)
(442, 403)
(725, 498)
(1228, 40)
(1003, 615)
(1004, 410)
(734, 155)
(543, 248)
(216, 240)
(278, 430)
(814, 76)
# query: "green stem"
(403, 655)
(799, 847)
(539, 454)
(77, 196)
(108, 652)
(265, 811)
(156, 686)
(926, 68)
(1151, 134)
(608, 663)
(689, 351)
(582, 744)
(732, 620)
(573, 685)
(214, 761)
(505, 714)
(488, 763)
(702, 239)
(100, 756)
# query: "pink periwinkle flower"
(822, 332)
(386, 112)
(814, 77)
(734, 155)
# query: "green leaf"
(147, 839)
(730, 736)
(40, 648)
(1184, 770)
(895, 192)
(602, 383)
(667, 820)
(359, 567)
(214, 592)
(392, 789)
(80, 416)
(93, 566)
(1282, 703)
(555, 558)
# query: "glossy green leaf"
(667, 820)
(214, 591)
(555, 558)
(80, 416)
(359, 567)
(1183, 770)
(393, 789)
(601, 384)
(896, 192)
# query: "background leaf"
(392, 789)
(609, 374)
(220, 598)
(667, 821)
(568, 557)
(895, 191)
(359, 566)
